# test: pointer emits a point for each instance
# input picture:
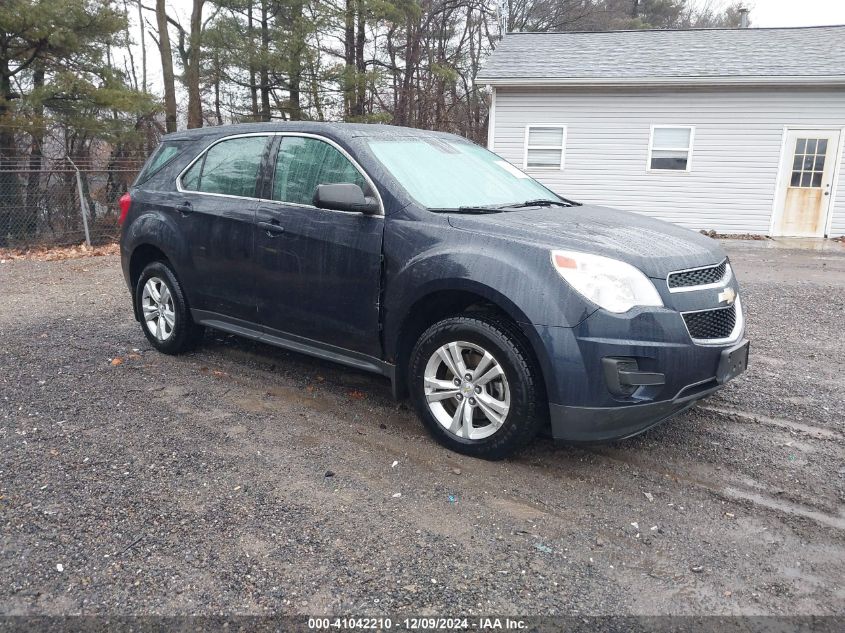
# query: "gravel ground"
(242, 479)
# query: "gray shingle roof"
(792, 55)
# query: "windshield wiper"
(542, 202)
(476, 210)
(501, 208)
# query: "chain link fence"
(59, 202)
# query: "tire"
(495, 431)
(178, 333)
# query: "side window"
(303, 163)
(164, 153)
(191, 178)
(229, 167)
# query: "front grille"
(711, 324)
(698, 277)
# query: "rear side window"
(229, 167)
(303, 163)
(164, 153)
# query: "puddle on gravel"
(281, 399)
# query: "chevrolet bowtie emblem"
(728, 295)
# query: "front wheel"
(474, 384)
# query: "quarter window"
(544, 146)
(670, 147)
(229, 167)
(303, 163)
(165, 152)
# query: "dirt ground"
(243, 479)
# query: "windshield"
(445, 174)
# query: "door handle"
(185, 208)
(272, 229)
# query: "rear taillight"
(125, 202)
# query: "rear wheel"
(164, 313)
(475, 387)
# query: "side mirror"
(344, 196)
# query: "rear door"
(216, 207)
(318, 270)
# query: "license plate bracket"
(733, 362)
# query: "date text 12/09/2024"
(417, 624)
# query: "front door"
(318, 270)
(806, 180)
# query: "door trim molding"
(294, 343)
(834, 176)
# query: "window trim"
(349, 157)
(688, 150)
(527, 147)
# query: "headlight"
(609, 283)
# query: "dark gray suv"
(499, 307)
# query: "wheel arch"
(142, 255)
(443, 300)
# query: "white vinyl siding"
(736, 146)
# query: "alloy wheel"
(158, 308)
(466, 390)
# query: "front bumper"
(586, 406)
(604, 424)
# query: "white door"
(806, 179)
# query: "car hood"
(653, 246)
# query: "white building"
(739, 130)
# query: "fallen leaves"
(59, 253)
(119, 360)
(356, 395)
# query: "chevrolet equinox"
(500, 308)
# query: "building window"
(544, 146)
(808, 162)
(670, 147)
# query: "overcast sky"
(768, 13)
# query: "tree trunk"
(264, 72)
(298, 45)
(166, 67)
(253, 87)
(143, 47)
(9, 183)
(34, 166)
(349, 60)
(360, 64)
(217, 73)
(192, 72)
